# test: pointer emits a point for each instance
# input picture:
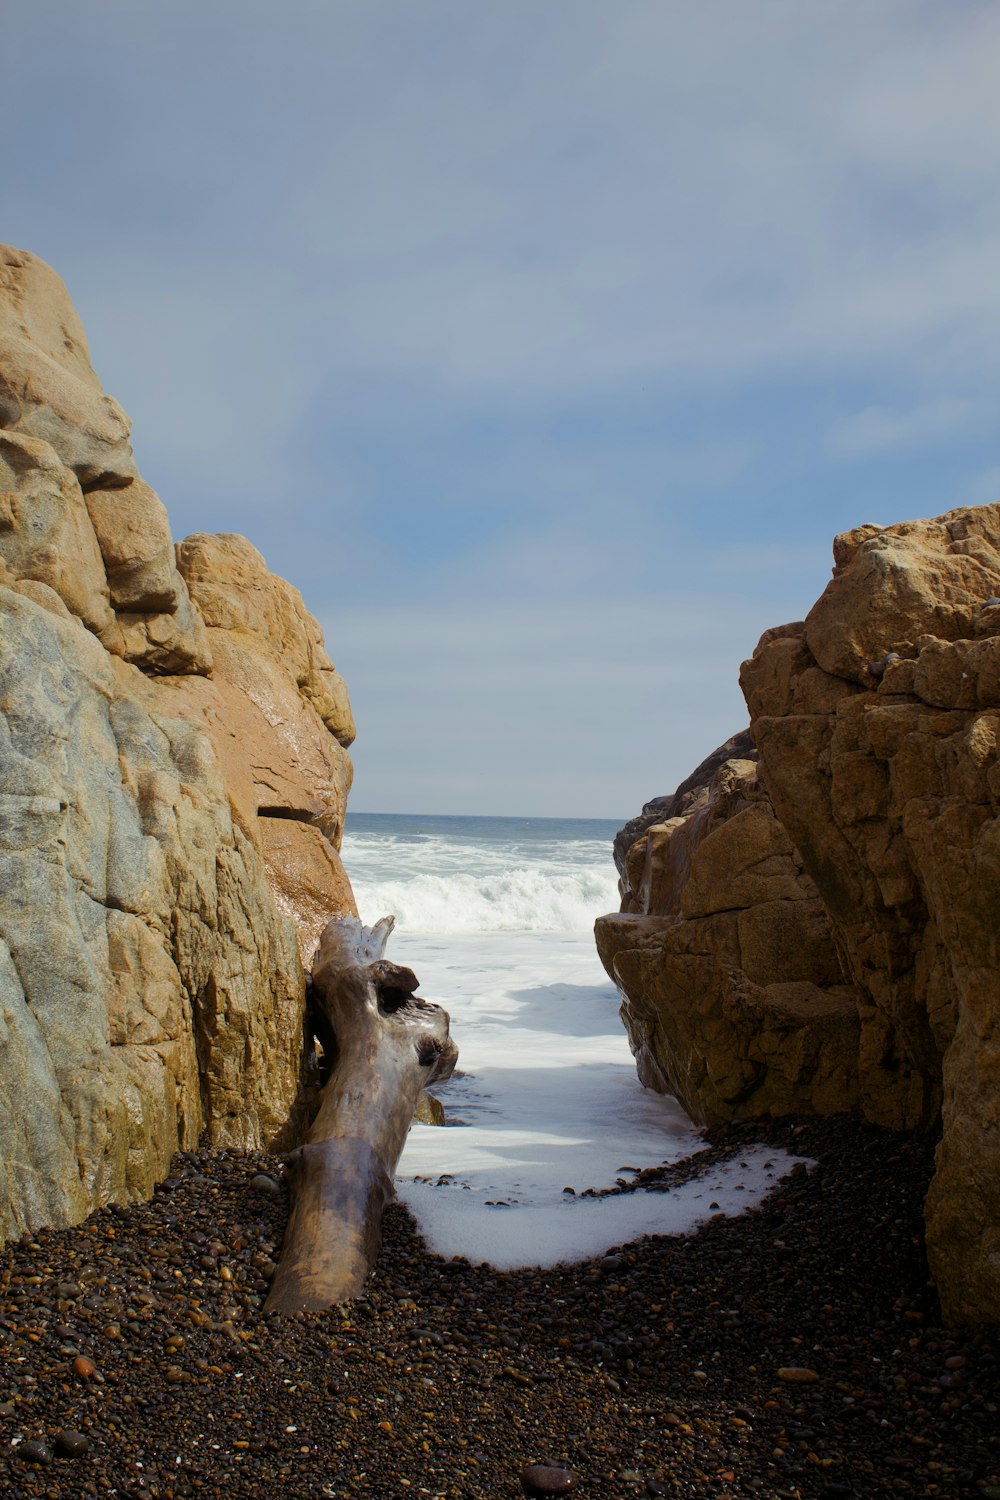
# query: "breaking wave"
(479, 876)
(516, 900)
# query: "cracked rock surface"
(173, 778)
(818, 930)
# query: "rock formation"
(869, 833)
(173, 778)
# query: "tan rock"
(732, 992)
(98, 536)
(133, 533)
(893, 584)
(156, 987)
(231, 585)
(429, 1110)
(825, 936)
(307, 879)
(45, 531)
(168, 828)
(892, 798)
(47, 387)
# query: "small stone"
(174, 1375)
(797, 1374)
(264, 1184)
(84, 1367)
(72, 1444)
(547, 1479)
(34, 1451)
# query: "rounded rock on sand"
(71, 1444)
(34, 1451)
(264, 1184)
(547, 1479)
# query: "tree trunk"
(387, 1045)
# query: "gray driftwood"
(387, 1045)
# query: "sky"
(545, 345)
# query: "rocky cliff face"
(876, 722)
(173, 778)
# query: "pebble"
(797, 1374)
(34, 1451)
(605, 1354)
(264, 1184)
(547, 1479)
(84, 1367)
(71, 1444)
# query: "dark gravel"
(136, 1360)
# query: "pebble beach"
(795, 1351)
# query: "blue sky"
(545, 346)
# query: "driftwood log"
(387, 1045)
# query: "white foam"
(515, 900)
(549, 1099)
(432, 885)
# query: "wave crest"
(519, 899)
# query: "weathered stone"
(682, 800)
(47, 387)
(895, 811)
(133, 532)
(893, 584)
(168, 839)
(74, 512)
(878, 727)
(429, 1110)
(234, 591)
(45, 531)
(732, 993)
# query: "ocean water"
(496, 915)
(482, 875)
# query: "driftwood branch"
(388, 1045)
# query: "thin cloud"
(880, 429)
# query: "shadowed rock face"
(173, 780)
(732, 991)
(877, 723)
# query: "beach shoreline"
(651, 1370)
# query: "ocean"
(496, 915)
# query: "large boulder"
(877, 723)
(732, 992)
(173, 780)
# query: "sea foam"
(495, 916)
(481, 875)
(515, 900)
